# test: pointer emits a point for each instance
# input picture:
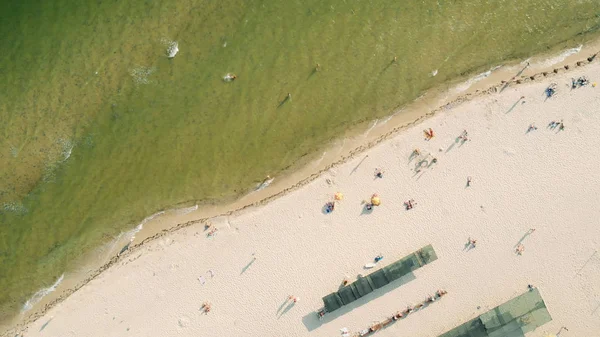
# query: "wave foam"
(183, 211)
(140, 74)
(559, 58)
(172, 49)
(67, 148)
(15, 207)
(139, 227)
(41, 294)
(466, 85)
(371, 128)
(264, 184)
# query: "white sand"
(545, 179)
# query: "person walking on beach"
(472, 242)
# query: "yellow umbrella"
(339, 196)
(375, 200)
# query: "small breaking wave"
(559, 58)
(37, 297)
(14, 207)
(131, 234)
(264, 184)
(320, 159)
(187, 210)
(172, 47)
(371, 128)
(67, 148)
(469, 83)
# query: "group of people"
(464, 136)
(555, 124)
(212, 230)
(580, 82)
(429, 134)
(206, 306)
(399, 314)
(409, 204)
(551, 90)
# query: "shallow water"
(101, 128)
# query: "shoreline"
(367, 142)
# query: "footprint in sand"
(183, 322)
(509, 152)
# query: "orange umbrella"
(339, 196)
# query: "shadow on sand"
(46, 324)
(247, 266)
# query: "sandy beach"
(535, 188)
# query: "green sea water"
(100, 129)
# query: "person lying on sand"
(429, 134)
(212, 232)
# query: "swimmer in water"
(229, 77)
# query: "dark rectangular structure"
(514, 318)
(379, 278)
